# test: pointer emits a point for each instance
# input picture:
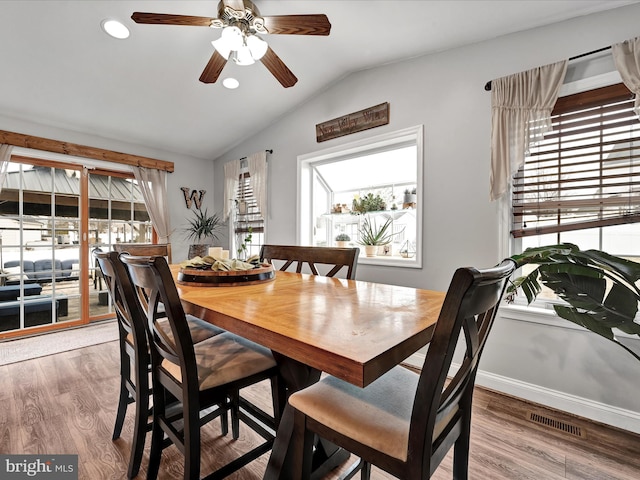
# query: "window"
(581, 184)
(247, 219)
(377, 180)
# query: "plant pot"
(341, 244)
(370, 250)
(198, 250)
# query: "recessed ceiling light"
(115, 29)
(231, 83)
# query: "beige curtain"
(521, 107)
(153, 184)
(231, 174)
(257, 164)
(626, 56)
(5, 157)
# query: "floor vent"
(556, 424)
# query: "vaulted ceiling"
(60, 69)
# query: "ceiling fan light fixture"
(243, 57)
(233, 37)
(257, 46)
(222, 47)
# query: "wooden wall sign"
(353, 122)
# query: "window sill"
(389, 261)
(545, 316)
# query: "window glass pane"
(372, 183)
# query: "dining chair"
(135, 359)
(404, 422)
(144, 249)
(202, 377)
(325, 261)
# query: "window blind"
(586, 171)
(251, 215)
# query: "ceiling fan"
(240, 22)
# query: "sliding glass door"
(52, 217)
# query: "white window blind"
(586, 171)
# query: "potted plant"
(409, 200)
(600, 290)
(243, 246)
(368, 203)
(371, 236)
(200, 228)
(342, 239)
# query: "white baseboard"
(583, 407)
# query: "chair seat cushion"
(377, 415)
(200, 330)
(225, 358)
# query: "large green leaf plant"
(600, 290)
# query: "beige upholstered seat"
(405, 423)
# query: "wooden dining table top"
(351, 329)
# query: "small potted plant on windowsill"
(372, 236)
(409, 200)
(342, 240)
(201, 228)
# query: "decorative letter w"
(194, 197)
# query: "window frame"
(541, 310)
(304, 207)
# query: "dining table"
(354, 330)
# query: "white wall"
(197, 174)
(444, 92)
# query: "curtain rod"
(268, 150)
(487, 85)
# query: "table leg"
(326, 456)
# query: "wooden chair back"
(130, 320)
(326, 261)
(468, 311)
(144, 249)
(157, 295)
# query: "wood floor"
(65, 404)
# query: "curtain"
(5, 156)
(231, 174)
(521, 106)
(153, 185)
(257, 164)
(626, 56)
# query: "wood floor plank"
(66, 403)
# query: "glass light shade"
(243, 56)
(221, 46)
(233, 37)
(257, 46)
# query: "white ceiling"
(60, 69)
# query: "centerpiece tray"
(205, 277)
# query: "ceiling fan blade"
(278, 69)
(168, 19)
(235, 4)
(212, 71)
(298, 24)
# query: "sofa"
(37, 308)
(39, 271)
